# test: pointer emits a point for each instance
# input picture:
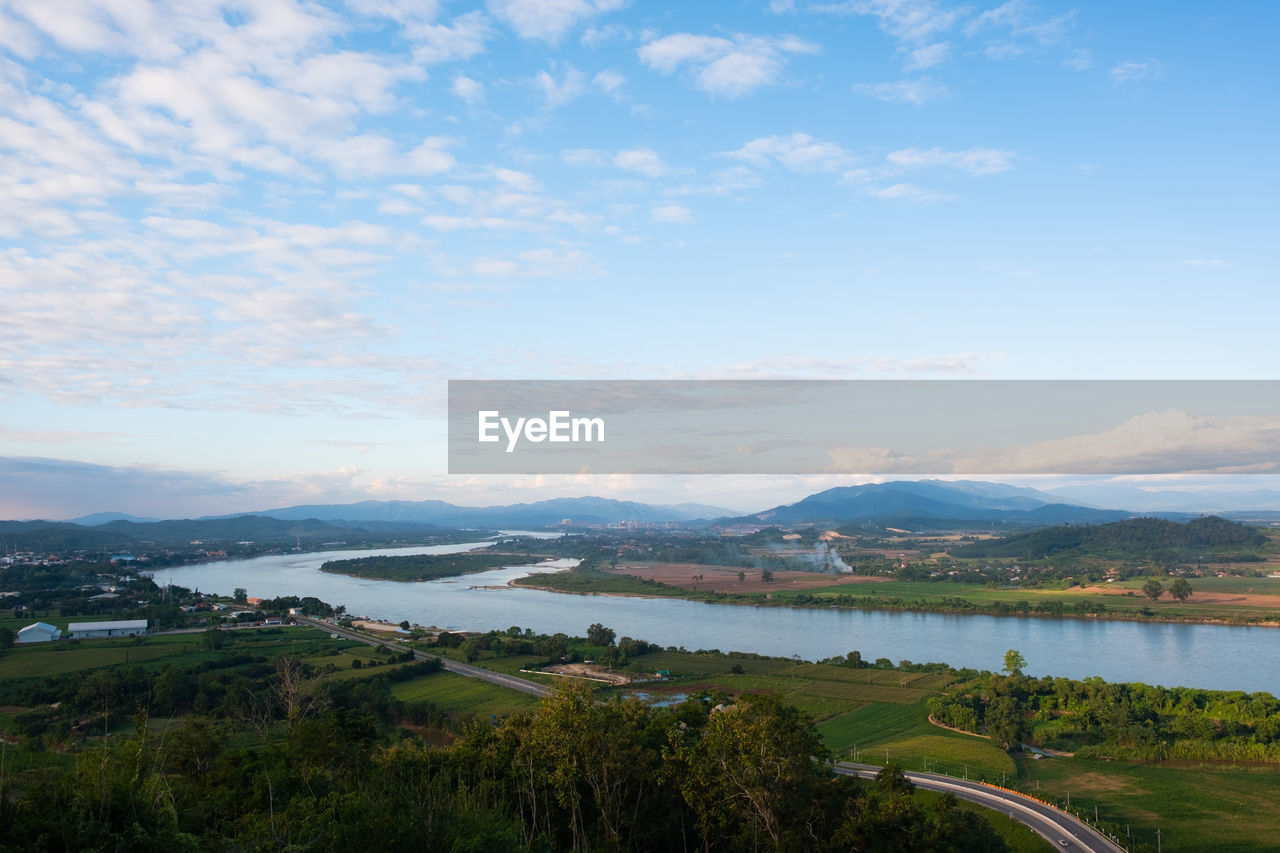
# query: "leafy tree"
(241, 595)
(599, 635)
(766, 575)
(749, 772)
(1014, 662)
(7, 637)
(1180, 589)
(1153, 589)
(1005, 723)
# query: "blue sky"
(244, 245)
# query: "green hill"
(1134, 539)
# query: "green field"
(1131, 606)
(1224, 809)
(855, 708)
(883, 732)
(466, 696)
(48, 659)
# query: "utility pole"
(1157, 840)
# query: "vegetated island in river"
(424, 567)
(1142, 569)
(1237, 601)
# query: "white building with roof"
(95, 630)
(38, 632)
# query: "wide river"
(1210, 656)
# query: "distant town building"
(95, 630)
(38, 632)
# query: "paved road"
(499, 678)
(1061, 829)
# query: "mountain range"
(928, 502)
(914, 504)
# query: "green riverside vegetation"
(423, 567)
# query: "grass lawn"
(44, 659)
(48, 659)
(461, 695)
(1224, 809)
(512, 665)
(904, 734)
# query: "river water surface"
(1219, 657)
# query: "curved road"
(1059, 828)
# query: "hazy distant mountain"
(937, 500)
(1199, 500)
(97, 518)
(586, 510)
(58, 536)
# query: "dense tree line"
(575, 774)
(1095, 717)
(1153, 539)
(418, 567)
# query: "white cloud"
(644, 161)
(461, 39)
(1132, 71)
(671, 213)
(582, 157)
(432, 157)
(928, 56)
(915, 92)
(728, 67)
(609, 82)
(471, 91)
(557, 93)
(548, 20)
(975, 161)
(1151, 443)
(442, 222)
(799, 152)
(398, 207)
(522, 181)
(536, 263)
(906, 20)
(908, 193)
(1019, 19)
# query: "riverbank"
(815, 590)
